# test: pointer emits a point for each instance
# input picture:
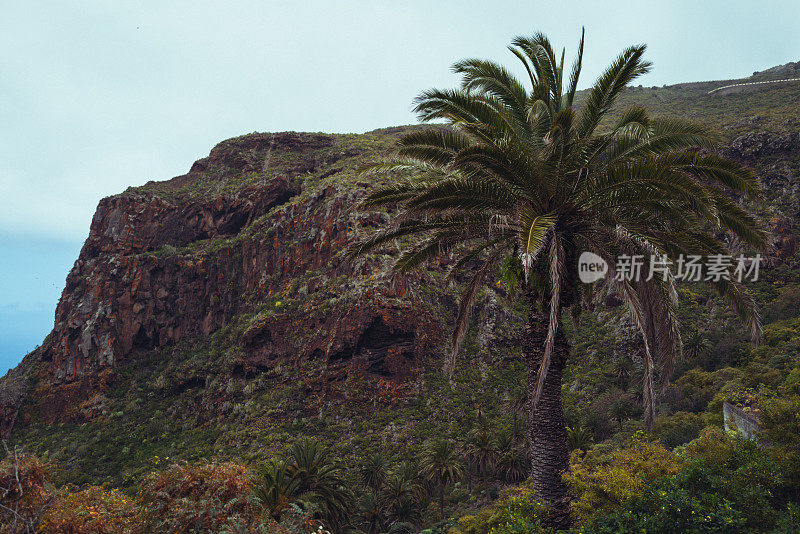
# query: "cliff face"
(254, 233)
(119, 298)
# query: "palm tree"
(512, 463)
(442, 466)
(373, 472)
(696, 345)
(372, 512)
(276, 489)
(524, 177)
(579, 437)
(320, 481)
(623, 369)
(481, 453)
(620, 409)
(400, 494)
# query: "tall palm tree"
(525, 177)
(442, 466)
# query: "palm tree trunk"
(547, 433)
(441, 500)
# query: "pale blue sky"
(96, 96)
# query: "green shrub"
(780, 424)
(786, 306)
(668, 508)
(727, 485)
(517, 511)
(679, 428)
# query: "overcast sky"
(97, 96)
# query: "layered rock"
(254, 233)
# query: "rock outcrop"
(253, 234)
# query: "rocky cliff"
(253, 234)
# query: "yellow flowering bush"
(605, 487)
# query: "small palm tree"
(621, 409)
(696, 345)
(442, 466)
(511, 464)
(579, 437)
(276, 488)
(400, 495)
(373, 471)
(623, 369)
(522, 175)
(482, 454)
(372, 511)
(320, 481)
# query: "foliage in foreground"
(719, 482)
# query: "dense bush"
(605, 486)
(679, 428)
(668, 507)
(780, 421)
(726, 485)
(786, 306)
(516, 511)
(26, 491)
(198, 498)
(92, 510)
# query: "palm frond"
(535, 229)
(542, 57)
(741, 301)
(464, 309)
(463, 194)
(576, 73)
(628, 66)
(557, 267)
(493, 79)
